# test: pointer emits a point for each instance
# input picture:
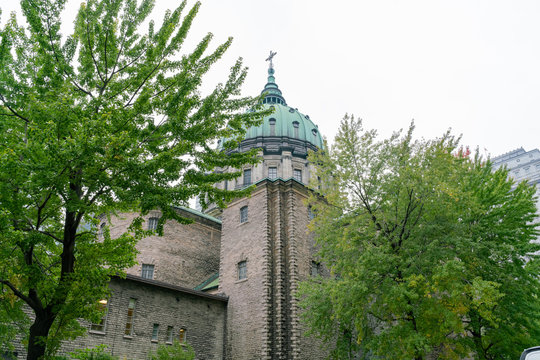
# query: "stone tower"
(266, 249)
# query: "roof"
(284, 122)
(210, 283)
(198, 213)
(181, 289)
(288, 122)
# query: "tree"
(103, 120)
(176, 351)
(427, 248)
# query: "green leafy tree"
(106, 119)
(176, 351)
(426, 247)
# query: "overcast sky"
(473, 66)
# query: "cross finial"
(272, 54)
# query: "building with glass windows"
(522, 166)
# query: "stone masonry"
(185, 255)
(263, 316)
(202, 316)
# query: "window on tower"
(272, 123)
(243, 214)
(315, 268)
(247, 177)
(272, 173)
(297, 175)
(242, 270)
(296, 125)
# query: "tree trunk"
(38, 334)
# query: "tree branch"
(19, 294)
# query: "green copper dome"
(285, 129)
(288, 122)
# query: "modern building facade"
(522, 166)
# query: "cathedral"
(226, 283)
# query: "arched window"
(242, 270)
(272, 123)
(243, 214)
(296, 125)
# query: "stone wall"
(201, 315)
(263, 316)
(246, 315)
(185, 255)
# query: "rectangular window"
(247, 177)
(169, 334)
(315, 268)
(100, 326)
(311, 213)
(243, 214)
(101, 230)
(130, 317)
(272, 172)
(297, 175)
(182, 335)
(147, 271)
(155, 332)
(152, 223)
(242, 270)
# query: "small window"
(100, 326)
(155, 332)
(147, 271)
(315, 268)
(152, 223)
(242, 270)
(296, 125)
(130, 317)
(243, 214)
(272, 172)
(272, 123)
(169, 334)
(226, 185)
(247, 177)
(101, 230)
(311, 213)
(297, 175)
(182, 335)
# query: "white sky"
(469, 65)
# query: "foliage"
(97, 353)
(176, 351)
(427, 248)
(104, 120)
